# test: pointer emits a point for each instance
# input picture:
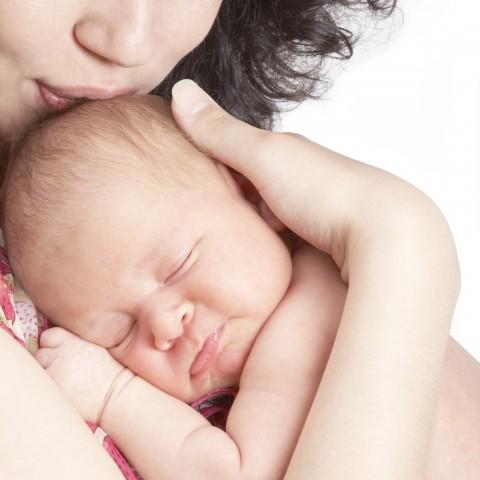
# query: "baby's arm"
(284, 369)
(158, 433)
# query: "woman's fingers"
(213, 130)
(322, 196)
(298, 179)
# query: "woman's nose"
(119, 32)
(168, 325)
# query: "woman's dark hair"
(260, 53)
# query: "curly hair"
(260, 53)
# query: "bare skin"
(20, 103)
(52, 54)
(456, 441)
(458, 382)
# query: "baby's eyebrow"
(147, 259)
(154, 258)
(160, 259)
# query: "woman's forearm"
(41, 436)
(455, 452)
(374, 411)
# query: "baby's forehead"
(68, 161)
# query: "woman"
(54, 54)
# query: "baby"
(172, 285)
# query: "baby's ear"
(241, 186)
(229, 176)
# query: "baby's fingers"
(55, 336)
(45, 357)
(50, 342)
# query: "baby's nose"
(168, 326)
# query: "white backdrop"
(412, 106)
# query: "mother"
(55, 53)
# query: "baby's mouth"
(206, 356)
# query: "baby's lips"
(206, 356)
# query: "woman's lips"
(206, 357)
(54, 100)
(60, 98)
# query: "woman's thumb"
(213, 130)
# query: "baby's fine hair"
(58, 167)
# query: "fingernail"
(189, 97)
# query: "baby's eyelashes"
(184, 266)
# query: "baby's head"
(124, 233)
(64, 169)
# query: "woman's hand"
(284, 168)
(330, 200)
(85, 372)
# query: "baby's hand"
(84, 371)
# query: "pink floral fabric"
(18, 315)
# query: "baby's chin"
(226, 373)
(229, 365)
(215, 380)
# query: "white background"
(411, 105)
